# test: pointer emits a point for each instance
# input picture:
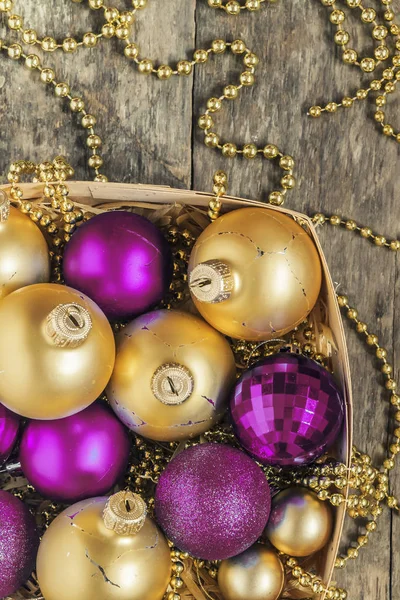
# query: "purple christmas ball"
(77, 457)
(287, 410)
(213, 501)
(9, 428)
(19, 542)
(121, 261)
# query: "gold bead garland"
(382, 31)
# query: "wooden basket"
(326, 317)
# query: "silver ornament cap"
(211, 281)
(172, 384)
(68, 325)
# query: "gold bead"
(335, 220)
(270, 151)
(379, 116)
(351, 225)
(352, 314)
(101, 178)
(352, 552)
(381, 353)
(372, 339)
(390, 86)
(375, 85)
(93, 141)
(388, 130)
(108, 30)
(230, 92)
(173, 596)
(122, 32)
(250, 59)
(347, 102)
(286, 162)
(145, 66)
(14, 51)
(340, 563)
(238, 47)
(386, 369)
(388, 15)
(395, 244)
(229, 150)
(126, 17)
(95, 161)
(111, 14)
(61, 90)
(368, 65)
(184, 67)
(337, 17)
(380, 100)
(218, 46)
(381, 53)
(49, 44)
(77, 105)
(315, 111)
(368, 15)
(370, 526)
(341, 37)
(214, 104)
(349, 56)
(215, 3)
(391, 385)
(29, 36)
(250, 151)
(131, 51)
(32, 61)
(247, 78)
(164, 72)
(331, 107)
(288, 182)
(96, 4)
(388, 464)
(361, 327)
(6, 5)
(88, 121)
(211, 140)
(361, 94)
(232, 7)
(205, 121)
(200, 56)
(276, 198)
(15, 22)
(379, 240)
(220, 177)
(380, 32)
(89, 39)
(176, 582)
(69, 45)
(139, 4)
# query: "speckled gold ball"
(24, 255)
(53, 362)
(256, 574)
(300, 524)
(80, 557)
(172, 377)
(255, 274)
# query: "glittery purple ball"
(213, 501)
(77, 457)
(9, 427)
(19, 542)
(287, 410)
(121, 261)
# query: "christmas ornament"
(256, 574)
(172, 376)
(19, 541)
(24, 255)
(57, 351)
(74, 458)
(254, 274)
(121, 261)
(212, 501)
(104, 549)
(287, 410)
(300, 524)
(9, 428)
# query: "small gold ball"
(238, 47)
(32, 61)
(220, 177)
(341, 37)
(14, 51)
(89, 40)
(205, 122)
(49, 44)
(368, 65)
(379, 116)
(88, 121)
(247, 78)
(122, 32)
(375, 85)
(395, 244)
(380, 32)
(380, 100)
(388, 130)
(6, 5)
(349, 56)
(93, 141)
(250, 59)
(229, 150)
(77, 105)
(381, 353)
(69, 45)
(200, 56)
(15, 22)
(270, 151)
(96, 4)
(232, 7)
(361, 94)
(164, 72)
(288, 182)
(347, 102)
(381, 53)
(390, 86)
(276, 198)
(211, 140)
(230, 92)
(131, 51)
(145, 66)
(218, 46)
(388, 73)
(95, 161)
(184, 67)
(287, 163)
(371, 339)
(250, 151)
(215, 3)
(108, 30)
(315, 111)
(352, 314)
(29, 36)
(368, 15)
(337, 17)
(214, 104)
(111, 14)
(351, 225)
(365, 232)
(391, 385)
(61, 90)
(331, 107)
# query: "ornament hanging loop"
(219, 189)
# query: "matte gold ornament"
(57, 351)
(104, 549)
(300, 524)
(256, 574)
(172, 377)
(254, 274)
(24, 255)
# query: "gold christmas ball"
(172, 377)
(256, 574)
(24, 255)
(300, 524)
(57, 351)
(104, 549)
(254, 274)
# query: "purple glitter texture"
(19, 542)
(287, 410)
(121, 261)
(213, 501)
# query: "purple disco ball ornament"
(287, 410)
(212, 501)
(19, 542)
(77, 457)
(121, 261)
(9, 428)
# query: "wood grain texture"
(343, 164)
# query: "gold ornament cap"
(125, 513)
(4, 206)
(211, 281)
(68, 325)
(172, 384)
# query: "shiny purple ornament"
(121, 261)
(19, 542)
(77, 457)
(9, 428)
(287, 410)
(212, 501)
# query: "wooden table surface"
(343, 163)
